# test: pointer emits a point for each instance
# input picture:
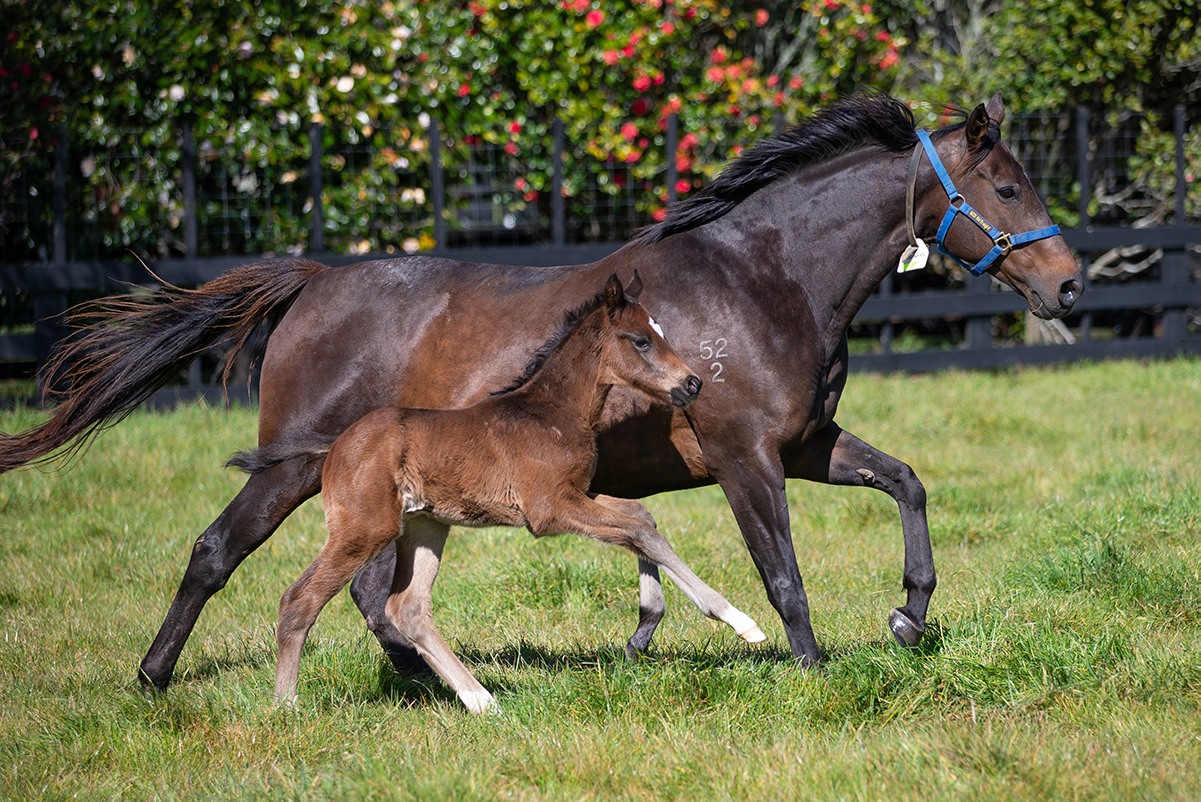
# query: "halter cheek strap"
(1002, 243)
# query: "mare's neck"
(841, 228)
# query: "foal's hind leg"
(262, 504)
(590, 519)
(418, 556)
(357, 533)
(837, 457)
(651, 604)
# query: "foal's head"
(634, 352)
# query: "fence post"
(49, 305)
(1176, 261)
(1181, 183)
(673, 138)
(187, 157)
(978, 332)
(1084, 179)
(558, 218)
(317, 230)
(437, 187)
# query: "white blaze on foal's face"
(655, 326)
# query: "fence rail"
(1168, 297)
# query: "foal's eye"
(1007, 193)
(642, 344)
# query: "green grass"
(1063, 658)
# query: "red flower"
(611, 57)
(660, 215)
(464, 90)
(715, 74)
(718, 56)
(642, 83)
(33, 133)
(478, 9)
(639, 107)
(796, 82)
(512, 149)
(520, 183)
(629, 131)
(761, 17)
(832, 5)
(594, 18)
(634, 155)
(883, 36)
(628, 51)
(889, 59)
(683, 185)
(514, 127)
(772, 80)
(668, 28)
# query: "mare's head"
(990, 179)
(633, 351)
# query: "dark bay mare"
(523, 457)
(755, 279)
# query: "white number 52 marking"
(713, 351)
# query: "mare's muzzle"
(687, 392)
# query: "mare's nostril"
(693, 385)
(1069, 291)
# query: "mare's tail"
(134, 345)
(272, 454)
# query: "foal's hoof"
(904, 629)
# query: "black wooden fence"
(1169, 302)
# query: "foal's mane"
(861, 120)
(570, 322)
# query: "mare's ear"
(634, 288)
(615, 295)
(977, 127)
(996, 109)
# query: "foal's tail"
(133, 345)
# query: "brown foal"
(524, 457)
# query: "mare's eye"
(1007, 193)
(642, 344)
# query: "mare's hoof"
(904, 629)
(151, 686)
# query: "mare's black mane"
(859, 121)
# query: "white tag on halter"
(914, 257)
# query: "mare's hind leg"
(590, 519)
(651, 604)
(836, 457)
(370, 589)
(418, 556)
(262, 504)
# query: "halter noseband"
(1002, 243)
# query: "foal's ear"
(977, 127)
(615, 295)
(634, 288)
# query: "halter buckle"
(1002, 242)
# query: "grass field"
(1063, 658)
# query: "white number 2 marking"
(715, 350)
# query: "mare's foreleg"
(410, 607)
(590, 519)
(837, 457)
(245, 524)
(753, 480)
(651, 604)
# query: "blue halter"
(1002, 243)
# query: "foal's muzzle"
(687, 392)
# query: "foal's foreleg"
(651, 604)
(837, 457)
(410, 607)
(590, 519)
